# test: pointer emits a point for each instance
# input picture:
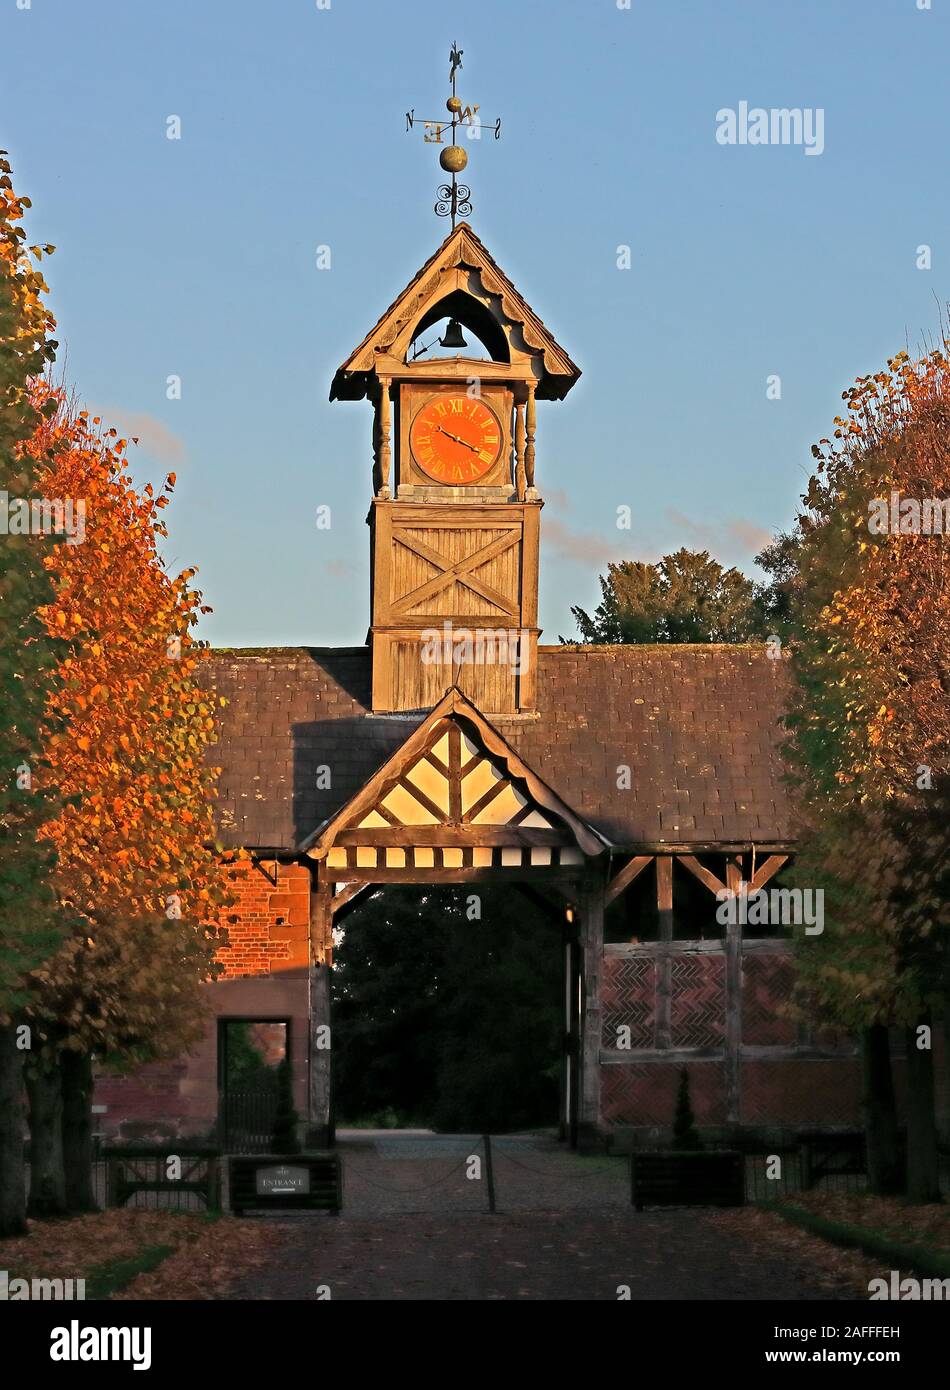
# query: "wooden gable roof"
(460, 249)
(455, 787)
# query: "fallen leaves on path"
(838, 1268)
(208, 1255)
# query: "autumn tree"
(28, 655)
(128, 728)
(685, 597)
(869, 722)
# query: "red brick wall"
(268, 927)
(265, 975)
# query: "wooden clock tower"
(455, 515)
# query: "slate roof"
(696, 725)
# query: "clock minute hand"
(458, 439)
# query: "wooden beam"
(454, 773)
(485, 799)
(767, 870)
(423, 800)
(625, 877)
(592, 957)
(544, 873)
(321, 939)
(663, 1032)
(346, 895)
(705, 876)
(732, 1059)
(664, 895)
(452, 836)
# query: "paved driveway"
(415, 1225)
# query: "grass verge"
(106, 1279)
(923, 1259)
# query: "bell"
(453, 336)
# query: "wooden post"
(385, 450)
(530, 425)
(732, 1056)
(489, 1173)
(519, 449)
(319, 1134)
(592, 954)
(664, 964)
(570, 1064)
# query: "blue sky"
(197, 257)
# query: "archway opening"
(448, 1011)
(484, 336)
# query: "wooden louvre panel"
(418, 684)
(487, 560)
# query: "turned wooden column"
(383, 430)
(520, 481)
(530, 426)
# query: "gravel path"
(414, 1226)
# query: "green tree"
(685, 597)
(29, 929)
(869, 740)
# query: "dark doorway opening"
(448, 1011)
(250, 1054)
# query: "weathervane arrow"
(454, 199)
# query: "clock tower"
(454, 521)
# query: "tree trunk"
(47, 1178)
(76, 1070)
(923, 1178)
(12, 1168)
(885, 1177)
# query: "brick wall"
(268, 926)
(265, 975)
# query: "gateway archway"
(447, 1010)
(456, 806)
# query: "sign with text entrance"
(282, 1181)
(310, 1181)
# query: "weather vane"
(454, 199)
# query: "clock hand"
(458, 439)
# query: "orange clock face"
(455, 439)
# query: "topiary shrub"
(685, 1134)
(285, 1139)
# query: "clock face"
(455, 439)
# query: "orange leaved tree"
(869, 717)
(129, 728)
(28, 657)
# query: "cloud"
(583, 547)
(342, 569)
(154, 436)
(735, 534)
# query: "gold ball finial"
(453, 159)
(454, 104)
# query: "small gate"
(248, 1118)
